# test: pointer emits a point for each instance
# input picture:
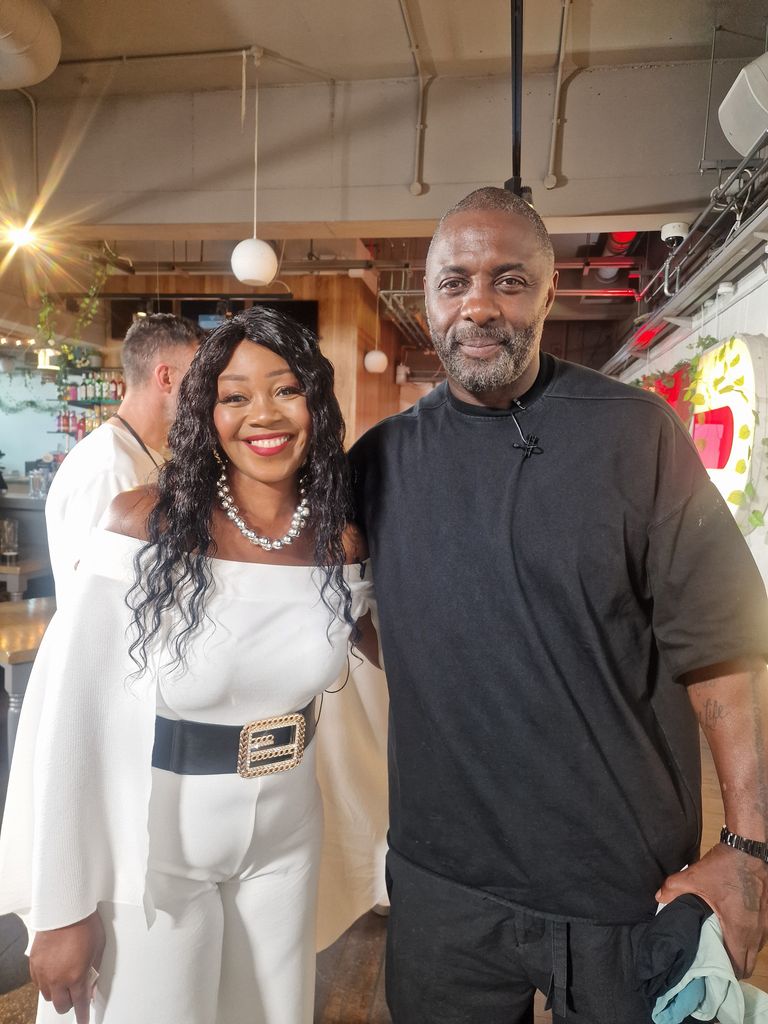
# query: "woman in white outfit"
(176, 819)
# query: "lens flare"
(20, 235)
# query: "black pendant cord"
(139, 441)
(530, 445)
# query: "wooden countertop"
(22, 624)
(31, 563)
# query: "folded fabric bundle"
(669, 945)
(724, 998)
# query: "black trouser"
(457, 955)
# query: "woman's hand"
(60, 963)
(368, 641)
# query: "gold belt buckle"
(258, 754)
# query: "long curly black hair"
(173, 571)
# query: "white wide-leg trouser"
(233, 877)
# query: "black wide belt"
(263, 747)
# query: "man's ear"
(552, 290)
(162, 375)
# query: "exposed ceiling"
(367, 39)
(113, 47)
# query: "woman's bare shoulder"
(129, 511)
(355, 545)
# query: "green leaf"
(750, 492)
(718, 381)
(699, 400)
(739, 382)
(741, 466)
(725, 390)
(744, 432)
(735, 360)
(736, 498)
(756, 518)
(721, 355)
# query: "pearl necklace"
(298, 519)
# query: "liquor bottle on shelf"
(82, 389)
(73, 391)
(80, 428)
(65, 419)
(113, 389)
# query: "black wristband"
(751, 846)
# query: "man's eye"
(451, 285)
(511, 282)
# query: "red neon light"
(644, 338)
(713, 436)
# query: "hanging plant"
(46, 318)
(88, 306)
(25, 405)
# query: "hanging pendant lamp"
(376, 361)
(254, 261)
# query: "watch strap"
(753, 847)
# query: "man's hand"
(60, 963)
(735, 885)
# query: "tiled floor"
(350, 987)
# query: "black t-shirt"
(535, 614)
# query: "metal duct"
(30, 43)
(618, 244)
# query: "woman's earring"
(218, 457)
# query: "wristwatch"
(751, 846)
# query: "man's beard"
(478, 375)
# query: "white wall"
(24, 436)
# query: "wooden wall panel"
(377, 394)
(346, 326)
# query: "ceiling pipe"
(514, 184)
(550, 181)
(143, 58)
(30, 43)
(416, 187)
(35, 158)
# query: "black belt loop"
(557, 996)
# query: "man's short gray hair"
(150, 335)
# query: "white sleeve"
(75, 825)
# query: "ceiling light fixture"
(20, 235)
(376, 361)
(254, 261)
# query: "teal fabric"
(681, 1005)
(725, 999)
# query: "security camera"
(673, 234)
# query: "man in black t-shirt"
(562, 594)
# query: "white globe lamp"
(254, 261)
(376, 361)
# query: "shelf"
(94, 404)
